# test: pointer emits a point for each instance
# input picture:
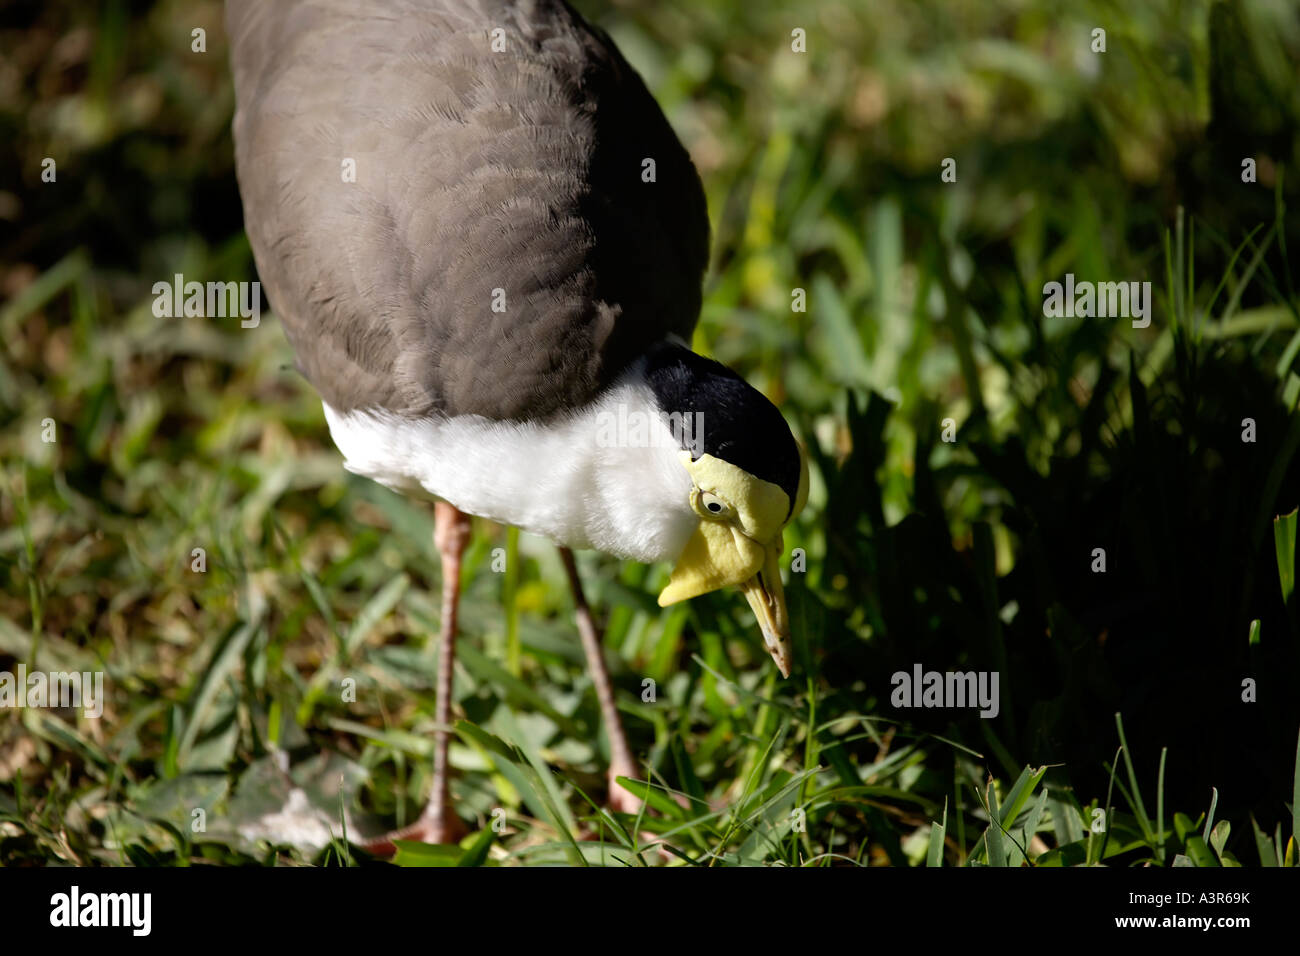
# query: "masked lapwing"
(486, 246)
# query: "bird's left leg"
(621, 763)
(438, 823)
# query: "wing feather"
(476, 171)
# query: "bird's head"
(748, 480)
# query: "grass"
(266, 707)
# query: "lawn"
(1101, 515)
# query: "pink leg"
(438, 824)
(621, 763)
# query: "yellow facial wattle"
(738, 542)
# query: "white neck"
(607, 476)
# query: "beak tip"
(780, 651)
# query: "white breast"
(607, 477)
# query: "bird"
(487, 247)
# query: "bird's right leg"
(438, 824)
(621, 763)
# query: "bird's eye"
(714, 505)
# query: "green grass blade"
(1035, 817)
(374, 611)
(1295, 797)
(1138, 807)
(1199, 853)
(994, 841)
(1160, 806)
(1284, 538)
(224, 660)
(934, 853)
(477, 853)
(1264, 846)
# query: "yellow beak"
(719, 554)
(767, 598)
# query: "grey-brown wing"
(498, 253)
